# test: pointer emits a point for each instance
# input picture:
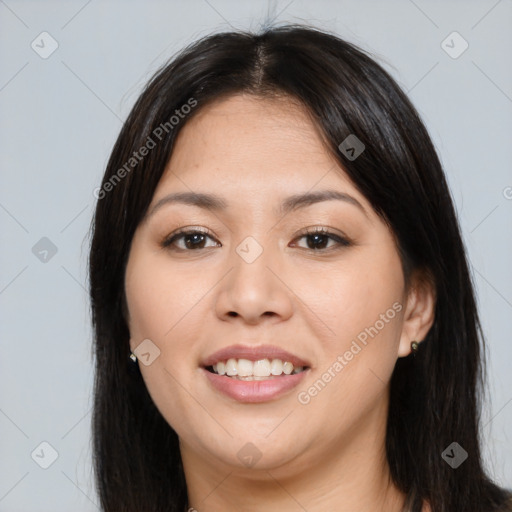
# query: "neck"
(351, 474)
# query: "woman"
(284, 318)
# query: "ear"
(419, 312)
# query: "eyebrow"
(216, 203)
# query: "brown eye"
(318, 240)
(193, 239)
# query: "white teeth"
(231, 368)
(220, 368)
(250, 377)
(261, 368)
(276, 367)
(288, 368)
(244, 369)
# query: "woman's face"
(254, 278)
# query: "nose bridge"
(257, 240)
(251, 259)
(250, 249)
(252, 289)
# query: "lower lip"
(254, 391)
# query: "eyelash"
(340, 240)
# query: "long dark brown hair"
(435, 396)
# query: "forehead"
(249, 146)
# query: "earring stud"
(414, 347)
(133, 357)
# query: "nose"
(254, 291)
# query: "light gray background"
(61, 115)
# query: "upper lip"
(253, 353)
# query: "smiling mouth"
(262, 369)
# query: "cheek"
(351, 297)
(161, 309)
(149, 305)
(164, 305)
(362, 305)
(160, 295)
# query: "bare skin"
(310, 297)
